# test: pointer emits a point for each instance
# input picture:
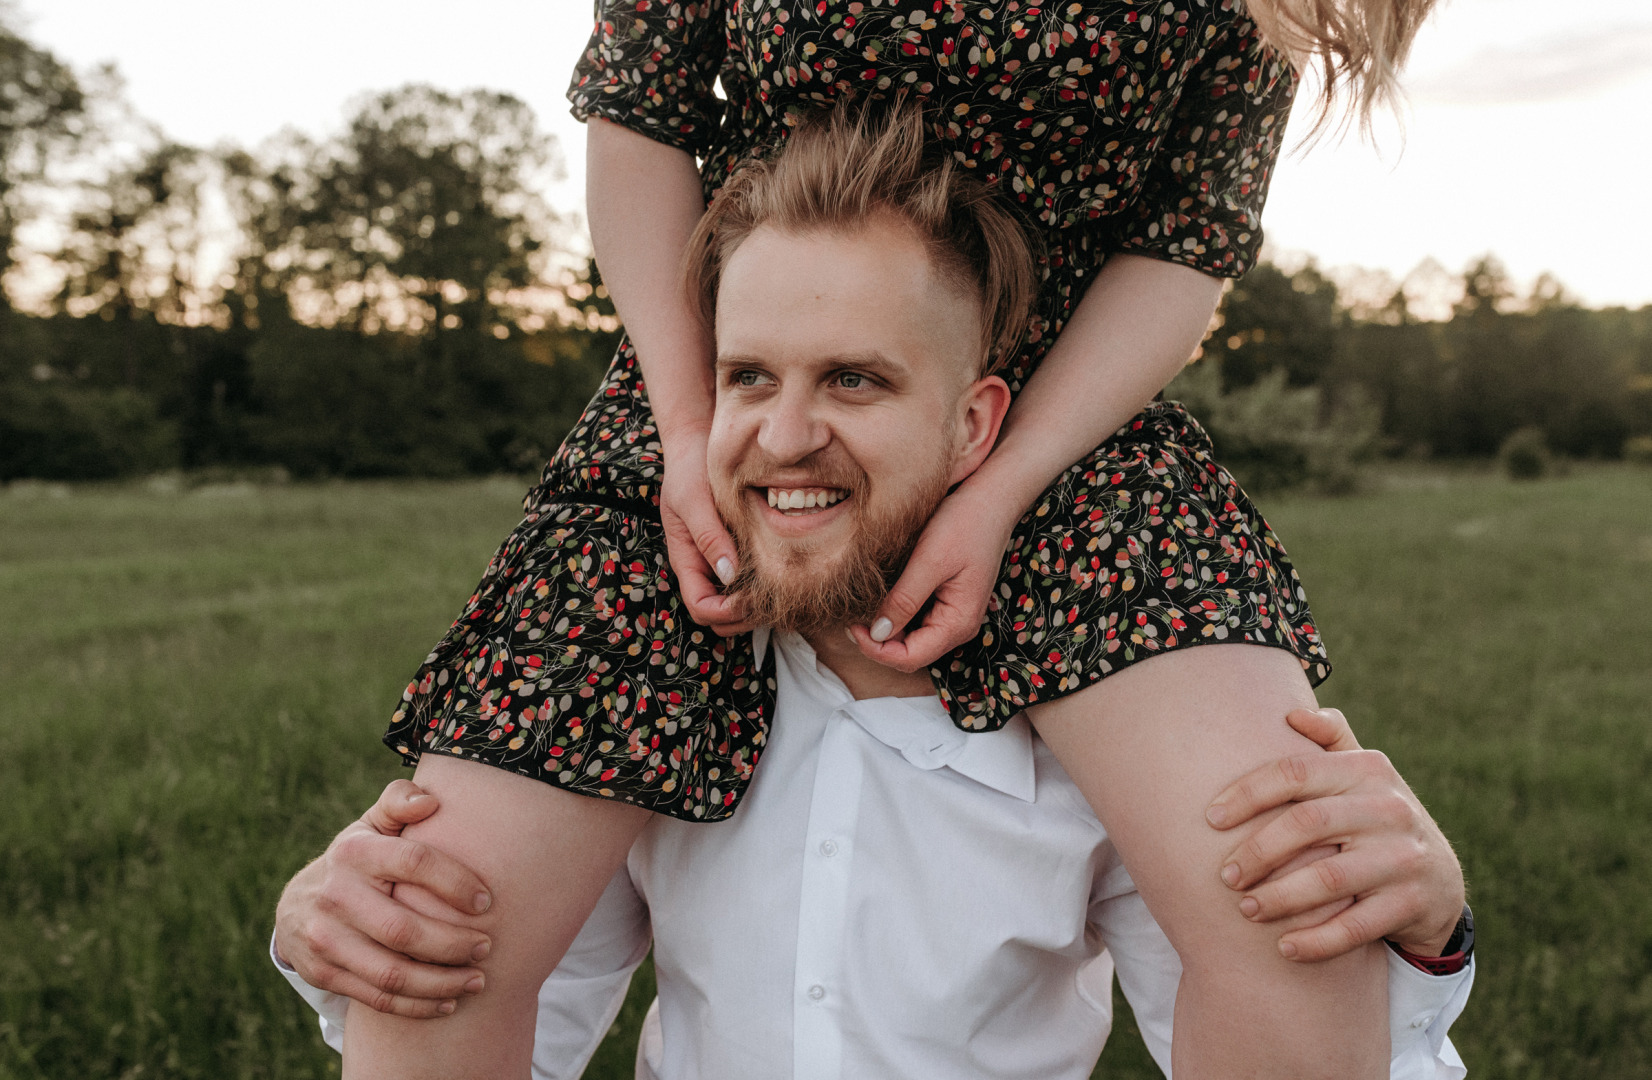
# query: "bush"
(1638, 449)
(1525, 454)
(63, 431)
(1273, 436)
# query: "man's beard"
(813, 589)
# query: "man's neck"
(865, 678)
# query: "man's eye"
(747, 378)
(851, 380)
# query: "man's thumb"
(400, 804)
(1327, 727)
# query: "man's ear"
(984, 405)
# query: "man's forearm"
(643, 200)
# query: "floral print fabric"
(1113, 126)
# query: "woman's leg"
(1150, 746)
(546, 856)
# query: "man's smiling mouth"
(797, 502)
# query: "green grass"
(192, 686)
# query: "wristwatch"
(1459, 947)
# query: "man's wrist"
(1450, 958)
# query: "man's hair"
(839, 170)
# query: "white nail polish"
(882, 629)
(725, 569)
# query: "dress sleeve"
(1201, 196)
(650, 66)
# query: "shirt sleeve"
(651, 66)
(1201, 197)
(1421, 1007)
(577, 1004)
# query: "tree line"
(398, 300)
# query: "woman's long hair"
(1358, 47)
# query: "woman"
(1138, 142)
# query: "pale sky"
(1529, 131)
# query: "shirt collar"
(922, 732)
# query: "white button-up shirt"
(895, 898)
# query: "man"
(896, 898)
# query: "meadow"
(193, 679)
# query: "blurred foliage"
(1525, 454)
(1274, 435)
(386, 302)
(396, 300)
(1379, 382)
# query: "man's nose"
(792, 430)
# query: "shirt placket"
(819, 1007)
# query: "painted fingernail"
(1230, 874)
(1217, 815)
(882, 629)
(480, 953)
(725, 569)
(481, 902)
(851, 632)
(1248, 907)
(1287, 949)
(475, 985)
(446, 1008)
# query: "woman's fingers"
(704, 561)
(944, 628)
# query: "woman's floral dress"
(1114, 126)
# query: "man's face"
(845, 382)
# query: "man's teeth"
(805, 498)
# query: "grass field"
(192, 685)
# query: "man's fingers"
(341, 981)
(391, 858)
(1327, 727)
(1288, 779)
(1351, 873)
(1313, 823)
(400, 804)
(1368, 920)
(405, 932)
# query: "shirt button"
(828, 848)
(816, 992)
(1422, 1020)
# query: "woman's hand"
(701, 551)
(1394, 864)
(340, 928)
(953, 570)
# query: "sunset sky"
(1529, 132)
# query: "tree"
(42, 112)
(135, 242)
(425, 215)
(1274, 321)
